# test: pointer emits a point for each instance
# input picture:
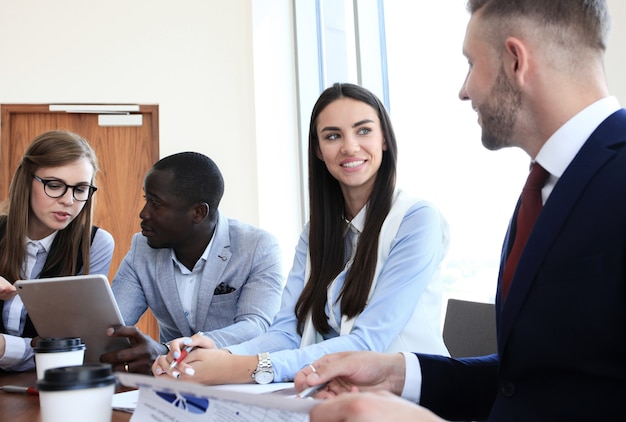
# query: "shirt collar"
(203, 257)
(46, 242)
(561, 148)
(358, 222)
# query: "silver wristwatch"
(264, 373)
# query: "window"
(410, 55)
(441, 157)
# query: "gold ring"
(126, 367)
(312, 367)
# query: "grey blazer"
(242, 257)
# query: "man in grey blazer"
(195, 269)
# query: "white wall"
(615, 57)
(221, 71)
(195, 59)
(276, 110)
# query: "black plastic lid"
(54, 345)
(76, 377)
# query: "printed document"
(161, 399)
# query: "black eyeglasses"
(56, 189)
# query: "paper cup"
(57, 352)
(77, 394)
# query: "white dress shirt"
(188, 285)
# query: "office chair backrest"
(469, 328)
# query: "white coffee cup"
(57, 352)
(77, 394)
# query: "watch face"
(264, 377)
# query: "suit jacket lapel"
(592, 156)
(217, 260)
(168, 289)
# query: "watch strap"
(265, 363)
(264, 372)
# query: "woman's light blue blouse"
(413, 261)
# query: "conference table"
(17, 407)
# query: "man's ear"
(516, 60)
(200, 212)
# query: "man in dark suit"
(537, 82)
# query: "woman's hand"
(165, 364)
(197, 340)
(204, 363)
(7, 290)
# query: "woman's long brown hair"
(327, 225)
(50, 149)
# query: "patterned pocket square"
(223, 289)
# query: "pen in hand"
(309, 392)
(183, 355)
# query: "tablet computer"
(75, 306)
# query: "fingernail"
(186, 341)
(159, 370)
(176, 354)
(190, 371)
(176, 374)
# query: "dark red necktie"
(529, 210)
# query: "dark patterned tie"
(529, 210)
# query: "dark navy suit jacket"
(562, 329)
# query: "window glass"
(410, 54)
(441, 157)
